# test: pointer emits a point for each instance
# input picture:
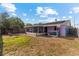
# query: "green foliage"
(72, 32)
(8, 22)
(4, 20)
(16, 22)
(16, 40)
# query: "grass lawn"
(23, 45)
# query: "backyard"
(24, 45)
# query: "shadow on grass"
(1, 45)
(69, 38)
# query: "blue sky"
(42, 12)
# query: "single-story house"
(57, 28)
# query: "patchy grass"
(24, 45)
(16, 40)
(13, 43)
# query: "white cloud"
(50, 11)
(64, 17)
(13, 14)
(75, 9)
(30, 19)
(70, 12)
(9, 7)
(33, 19)
(50, 19)
(27, 19)
(24, 14)
(70, 16)
(39, 10)
(43, 15)
(45, 11)
(47, 20)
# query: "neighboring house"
(58, 28)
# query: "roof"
(50, 23)
(57, 22)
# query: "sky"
(42, 12)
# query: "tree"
(16, 24)
(15, 21)
(7, 23)
(4, 21)
(72, 31)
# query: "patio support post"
(43, 29)
(32, 29)
(38, 31)
(25, 30)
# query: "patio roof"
(57, 23)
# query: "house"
(58, 28)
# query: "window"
(55, 28)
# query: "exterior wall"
(34, 29)
(29, 29)
(52, 32)
(78, 32)
(63, 30)
(31, 34)
(50, 29)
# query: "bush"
(72, 31)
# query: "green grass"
(16, 40)
(13, 43)
(1, 40)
